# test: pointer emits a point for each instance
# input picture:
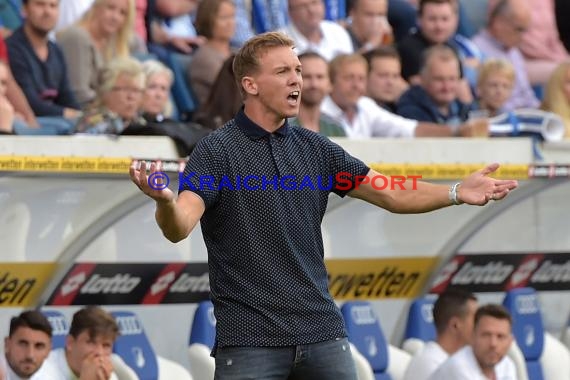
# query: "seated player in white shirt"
(88, 348)
(453, 316)
(486, 358)
(26, 347)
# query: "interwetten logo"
(341, 181)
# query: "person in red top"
(3, 52)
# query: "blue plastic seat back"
(133, 346)
(420, 320)
(60, 327)
(204, 325)
(365, 333)
(528, 330)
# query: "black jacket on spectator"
(411, 49)
(185, 135)
(562, 10)
(416, 104)
(45, 84)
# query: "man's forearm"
(433, 130)
(420, 197)
(172, 220)
(403, 197)
(18, 100)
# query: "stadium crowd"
(386, 68)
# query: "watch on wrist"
(453, 193)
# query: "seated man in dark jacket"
(435, 99)
(38, 64)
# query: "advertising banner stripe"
(548, 271)
(22, 283)
(67, 290)
(429, 171)
(378, 278)
(162, 283)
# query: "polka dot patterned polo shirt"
(265, 196)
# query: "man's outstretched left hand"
(479, 188)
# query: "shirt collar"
(254, 131)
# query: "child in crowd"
(495, 85)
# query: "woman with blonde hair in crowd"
(103, 33)
(495, 83)
(118, 100)
(156, 111)
(156, 105)
(557, 94)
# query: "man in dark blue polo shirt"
(38, 64)
(275, 316)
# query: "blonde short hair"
(343, 59)
(120, 66)
(494, 66)
(246, 61)
(153, 67)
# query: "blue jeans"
(48, 126)
(330, 360)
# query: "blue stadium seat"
(528, 330)
(59, 326)
(201, 342)
(365, 333)
(420, 320)
(419, 326)
(133, 346)
(204, 325)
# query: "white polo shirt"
(335, 40)
(425, 362)
(56, 367)
(463, 366)
(370, 120)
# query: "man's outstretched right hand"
(155, 184)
